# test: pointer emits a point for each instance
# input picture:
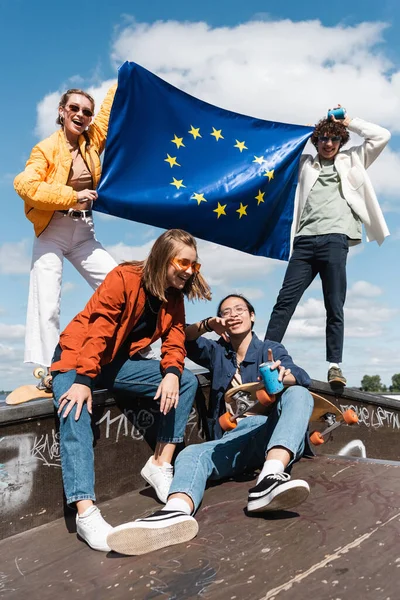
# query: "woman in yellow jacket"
(58, 187)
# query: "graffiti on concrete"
(128, 423)
(375, 417)
(46, 448)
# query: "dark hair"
(329, 127)
(154, 268)
(250, 307)
(64, 99)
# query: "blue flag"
(174, 161)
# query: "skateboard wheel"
(226, 423)
(39, 373)
(316, 438)
(264, 398)
(350, 417)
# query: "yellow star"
(242, 210)
(220, 210)
(259, 159)
(195, 132)
(217, 133)
(178, 183)
(178, 141)
(269, 174)
(199, 197)
(240, 145)
(171, 160)
(260, 197)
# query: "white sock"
(334, 365)
(271, 467)
(88, 512)
(178, 504)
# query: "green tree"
(371, 383)
(395, 387)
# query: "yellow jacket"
(42, 185)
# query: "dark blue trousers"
(313, 254)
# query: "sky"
(285, 61)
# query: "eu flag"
(174, 161)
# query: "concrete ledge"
(125, 432)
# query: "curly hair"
(329, 127)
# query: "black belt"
(76, 214)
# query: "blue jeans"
(244, 448)
(313, 254)
(137, 376)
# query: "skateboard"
(25, 393)
(249, 395)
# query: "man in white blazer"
(334, 197)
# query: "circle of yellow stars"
(199, 197)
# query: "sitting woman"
(58, 186)
(104, 346)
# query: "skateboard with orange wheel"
(245, 397)
(25, 393)
(326, 412)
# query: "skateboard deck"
(245, 397)
(25, 393)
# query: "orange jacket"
(94, 336)
(42, 184)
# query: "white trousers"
(73, 239)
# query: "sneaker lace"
(94, 520)
(281, 476)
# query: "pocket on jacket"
(355, 177)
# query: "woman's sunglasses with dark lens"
(183, 264)
(326, 138)
(75, 109)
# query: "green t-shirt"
(326, 209)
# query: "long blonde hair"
(154, 268)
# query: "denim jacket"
(220, 359)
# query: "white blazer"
(357, 188)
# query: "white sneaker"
(92, 528)
(159, 530)
(160, 478)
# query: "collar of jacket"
(83, 143)
(252, 350)
(316, 164)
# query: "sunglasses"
(75, 109)
(326, 138)
(183, 264)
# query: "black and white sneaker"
(158, 530)
(277, 492)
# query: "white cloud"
(365, 317)
(220, 265)
(15, 257)
(223, 266)
(259, 67)
(364, 289)
(11, 332)
(121, 252)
